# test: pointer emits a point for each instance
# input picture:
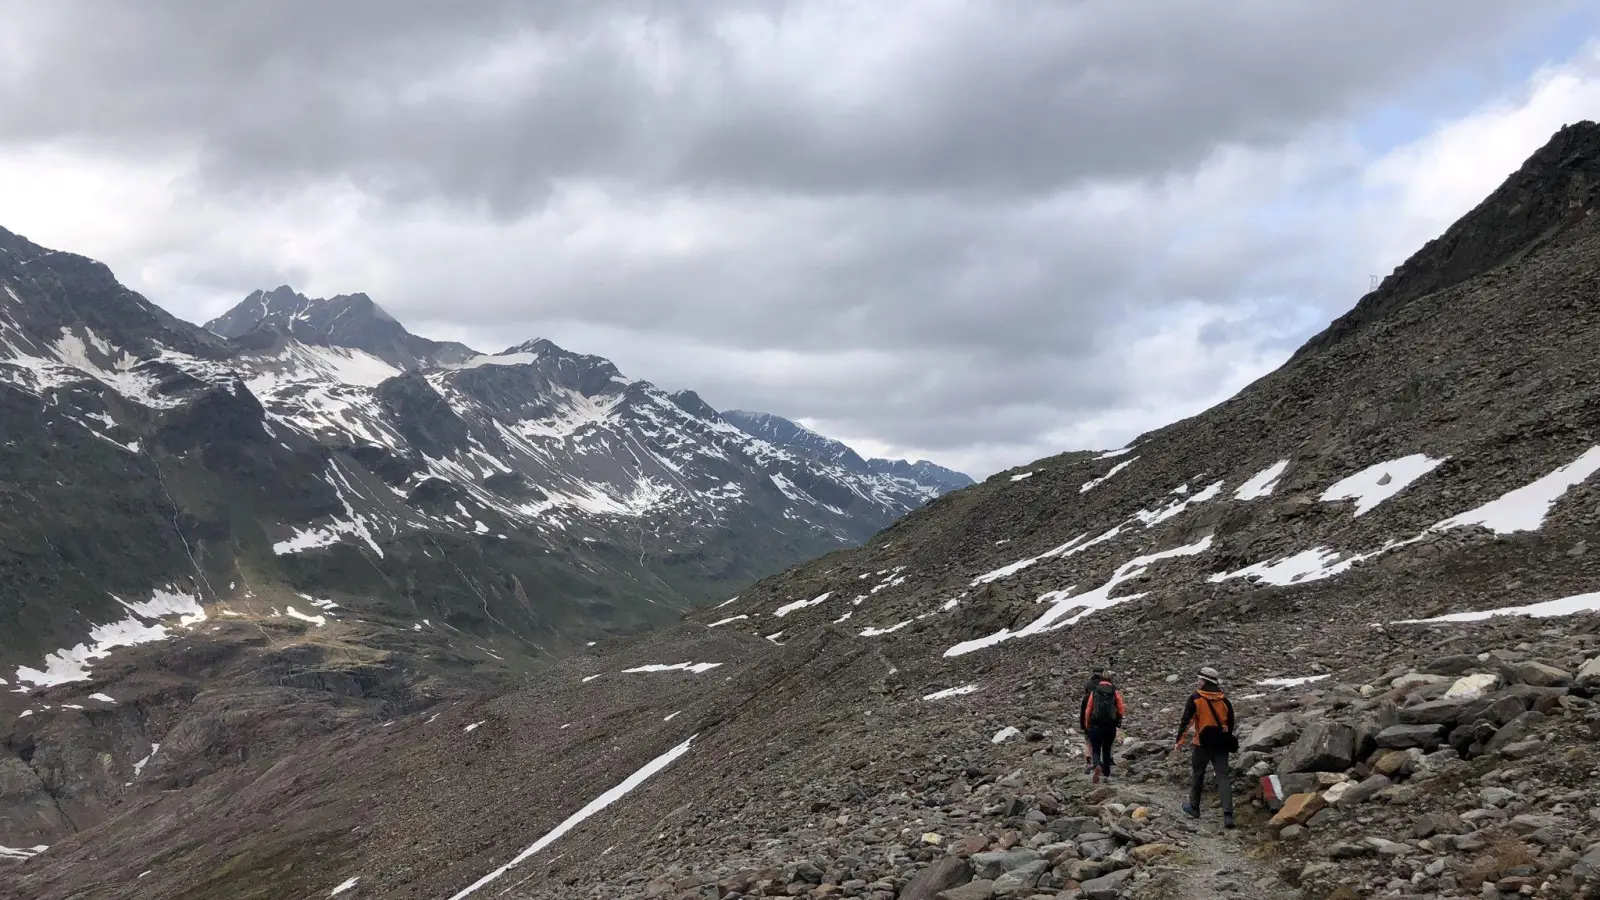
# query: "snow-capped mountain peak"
(298, 436)
(346, 320)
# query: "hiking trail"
(1211, 862)
(1221, 867)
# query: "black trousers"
(1102, 739)
(1217, 760)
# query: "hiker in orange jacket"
(1083, 708)
(1102, 716)
(1211, 714)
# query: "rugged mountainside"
(802, 441)
(436, 516)
(1387, 547)
(319, 444)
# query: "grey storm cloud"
(489, 101)
(993, 202)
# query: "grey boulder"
(946, 873)
(1325, 747)
(1404, 737)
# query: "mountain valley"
(306, 513)
(441, 624)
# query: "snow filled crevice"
(1563, 606)
(1152, 518)
(353, 523)
(787, 608)
(293, 613)
(683, 666)
(875, 632)
(138, 767)
(1006, 571)
(1291, 682)
(1091, 485)
(952, 692)
(601, 802)
(1063, 603)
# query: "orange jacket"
(1201, 712)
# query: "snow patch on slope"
(1563, 606)
(1262, 483)
(1521, 509)
(1525, 508)
(1152, 518)
(72, 664)
(1091, 485)
(683, 666)
(353, 523)
(787, 608)
(601, 802)
(1064, 602)
(1377, 483)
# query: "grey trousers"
(1217, 760)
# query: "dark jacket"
(1088, 704)
(1083, 702)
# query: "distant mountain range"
(300, 446)
(803, 441)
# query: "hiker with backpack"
(1101, 717)
(1211, 714)
(1083, 707)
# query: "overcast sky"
(978, 232)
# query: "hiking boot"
(1192, 810)
(1096, 776)
(1227, 819)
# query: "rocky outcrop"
(1555, 190)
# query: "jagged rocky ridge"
(433, 515)
(893, 721)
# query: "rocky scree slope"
(1386, 546)
(316, 514)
